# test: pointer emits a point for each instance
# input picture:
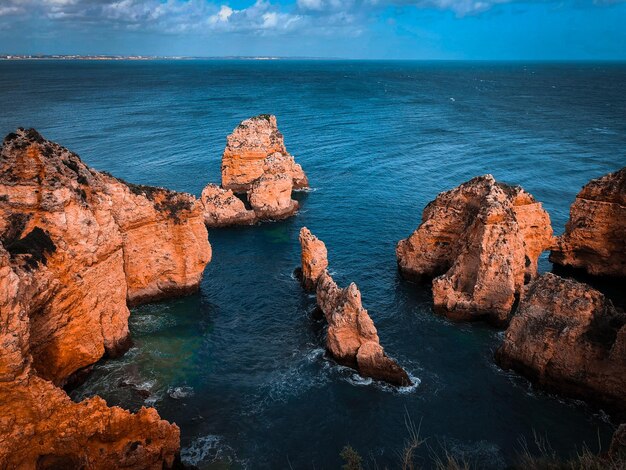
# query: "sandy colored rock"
(256, 147)
(314, 258)
(76, 246)
(567, 337)
(595, 235)
(222, 208)
(480, 242)
(352, 338)
(270, 197)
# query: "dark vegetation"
(537, 456)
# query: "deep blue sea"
(240, 366)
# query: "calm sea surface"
(240, 366)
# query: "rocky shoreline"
(478, 245)
(78, 247)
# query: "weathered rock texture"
(352, 338)
(595, 235)
(256, 147)
(568, 337)
(40, 427)
(480, 242)
(270, 197)
(76, 246)
(256, 162)
(314, 258)
(222, 208)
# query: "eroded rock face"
(568, 337)
(480, 242)
(352, 338)
(314, 258)
(270, 197)
(42, 428)
(76, 246)
(595, 235)
(256, 147)
(222, 208)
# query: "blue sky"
(366, 29)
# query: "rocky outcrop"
(77, 246)
(595, 235)
(352, 338)
(567, 337)
(480, 242)
(314, 259)
(222, 208)
(270, 197)
(256, 162)
(40, 427)
(256, 147)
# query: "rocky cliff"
(352, 338)
(567, 337)
(77, 246)
(222, 208)
(595, 235)
(480, 242)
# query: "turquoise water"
(240, 366)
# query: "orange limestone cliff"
(568, 337)
(595, 235)
(77, 246)
(352, 338)
(480, 242)
(257, 163)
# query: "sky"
(351, 29)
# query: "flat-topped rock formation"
(567, 337)
(595, 235)
(480, 242)
(352, 338)
(257, 147)
(256, 162)
(77, 246)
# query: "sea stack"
(352, 338)
(77, 246)
(254, 148)
(480, 243)
(567, 337)
(255, 163)
(595, 235)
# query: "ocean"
(240, 366)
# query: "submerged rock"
(595, 235)
(567, 337)
(352, 338)
(222, 208)
(480, 242)
(256, 147)
(77, 246)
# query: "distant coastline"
(146, 57)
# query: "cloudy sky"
(396, 29)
